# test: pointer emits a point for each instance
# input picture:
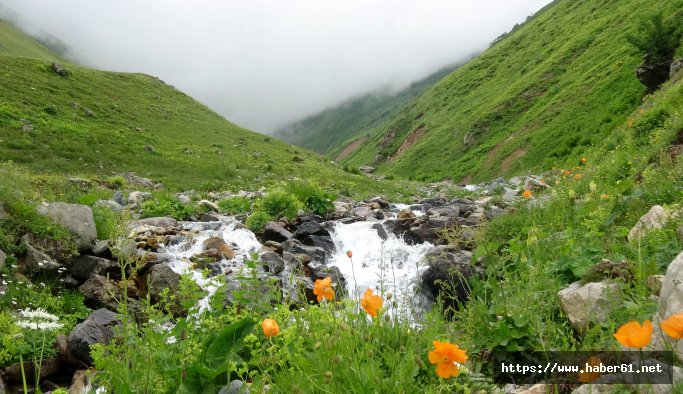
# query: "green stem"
(23, 373)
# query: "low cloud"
(263, 64)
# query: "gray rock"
(77, 219)
(655, 218)
(449, 273)
(235, 387)
(446, 210)
(162, 277)
(135, 180)
(310, 228)
(295, 247)
(510, 195)
(207, 217)
(3, 258)
(110, 204)
(653, 75)
(274, 232)
(101, 248)
(324, 242)
(161, 222)
(654, 283)
(590, 303)
(97, 328)
(380, 231)
(137, 198)
(272, 262)
(366, 169)
(86, 266)
(363, 212)
(675, 67)
(118, 198)
(35, 259)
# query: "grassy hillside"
(100, 123)
(327, 131)
(542, 95)
(15, 43)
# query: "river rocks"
(655, 218)
(97, 328)
(224, 250)
(324, 242)
(310, 228)
(589, 303)
(295, 247)
(272, 263)
(380, 231)
(159, 222)
(445, 210)
(449, 273)
(101, 292)
(135, 199)
(77, 219)
(86, 266)
(363, 212)
(275, 232)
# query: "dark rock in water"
(434, 202)
(311, 218)
(349, 220)
(448, 275)
(310, 228)
(219, 244)
(445, 210)
(59, 70)
(97, 328)
(380, 231)
(384, 204)
(295, 247)
(275, 232)
(207, 217)
(86, 266)
(272, 262)
(401, 229)
(323, 271)
(653, 75)
(273, 246)
(324, 242)
(429, 230)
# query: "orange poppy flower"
(632, 334)
(270, 328)
(578, 176)
(673, 326)
(349, 254)
(447, 356)
(323, 289)
(566, 172)
(527, 194)
(604, 196)
(584, 159)
(587, 377)
(371, 303)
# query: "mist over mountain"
(266, 64)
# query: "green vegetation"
(657, 38)
(234, 205)
(540, 97)
(15, 43)
(333, 129)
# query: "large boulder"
(295, 247)
(97, 328)
(310, 228)
(324, 242)
(449, 273)
(586, 304)
(87, 266)
(671, 299)
(77, 219)
(653, 75)
(161, 278)
(37, 260)
(655, 218)
(275, 232)
(272, 262)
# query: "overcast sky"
(265, 63)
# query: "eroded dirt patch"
(507, 163)
(411, 140)
(350, 148)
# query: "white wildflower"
(2, 292)
(37, 314)
(171, 340)
(40, 264)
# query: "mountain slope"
(326, 131)
(547, 92)
(15, 43)
(96, 123)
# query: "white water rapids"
(386, 266)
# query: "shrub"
(658, 38)
(116, 182)
(105, 221)
(167, 205)
(234, 205)
(280, 203)
(257, 221)
(314, 198)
